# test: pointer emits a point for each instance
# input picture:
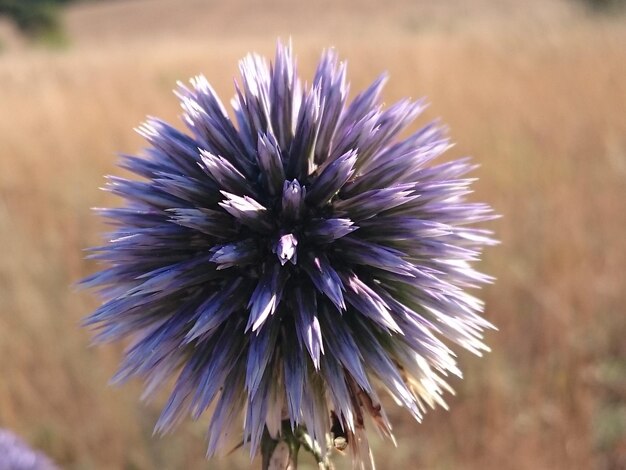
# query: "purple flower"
(16, 455)
(287, 264)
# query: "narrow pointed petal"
(171, 144)
(215, 310)
(207, 221)
(275, 401)
(293, 200)
(227, 409)
(266, 296)
(142, 192)
(329, 230)
(308, 325)
(398, 229)
(207, 118)
(253, 95)
(369, 303)
(270, 162)
(369, 254)
(330, 78)
(397, 165)
(384, 368)
(226, 175)
(257, 409)
(211, 366)
(301, 150)
(131, 216)
(331, 179)
(284, 94)
(295, 372)
(371, 203)
(358, 120)
(247, 211)
(235, 254)
(260, 352)
(193, 191)
(325, 279)
(341, 344)
(334, 374)
(314, 410)
(363, 103)
(389, 123)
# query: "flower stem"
(282, 453)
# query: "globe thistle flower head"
(289, 263)
(15, 454)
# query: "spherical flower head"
(289, 263)
(16, 455)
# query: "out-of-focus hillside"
(534, 90)
(146, 19)
(126, 22)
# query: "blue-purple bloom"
(290, 262)
(15, 454)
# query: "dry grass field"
(537, 93)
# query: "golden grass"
(544, 115)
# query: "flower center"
(286, 250)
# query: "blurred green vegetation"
(605, 5)
(38, 19)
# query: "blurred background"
(534, 90)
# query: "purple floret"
(15, 454)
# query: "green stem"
(323, 460)
(282, 453)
